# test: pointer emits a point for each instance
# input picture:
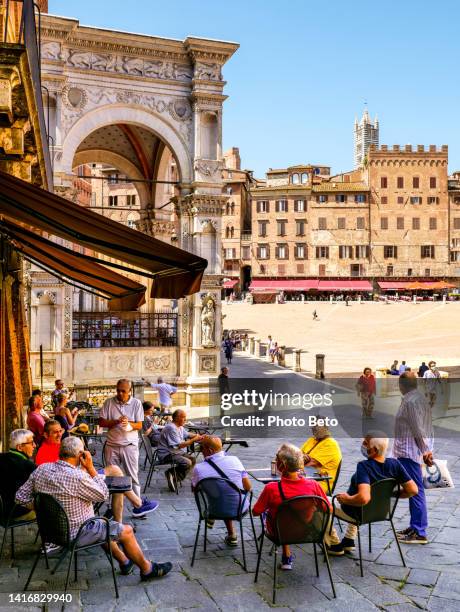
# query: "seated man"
(173, 444)
(289, 460)
(16, 466)
(149, 427)
(49, 448)
(49, 453)
(322, 452)
(74, 482)
(373, 469)
(217, 464)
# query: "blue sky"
(304, 70)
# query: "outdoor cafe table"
(115, 484)
(265, 475)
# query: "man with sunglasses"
(16, 466)
(123, 415)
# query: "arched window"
(227, 208)
(232, 232)
(227, 232)
(232, 208)
(304, 178)
(295, 179)
(229, 191)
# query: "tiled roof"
(335, 186)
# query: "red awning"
(272, 286)
(229, 284)
(344, 285)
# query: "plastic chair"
(152, 457)
(7, 522)
(299, 520)
(54, 528)
(379, 509)
(331, 487)
(219, 499)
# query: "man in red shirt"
(49, 449)
(289, 460)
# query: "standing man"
(422, 369)
(432, 379)
(413, 444)
(315, 316)
(123, 415)
(59, 388)
(165, 392)
(222, 381)
(271, 347)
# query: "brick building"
(379, 227)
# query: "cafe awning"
(414, 285)
(344, 285)
(230, 283)
(272, 286)
(121, 292)
(175, 272)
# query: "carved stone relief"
(126, 64)
(208, 72)
(67, 317)
(207, 170)
(207, 364)
(49, 368)
(51, 295)
(160, 363)
(121, 363)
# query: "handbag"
(437, 476)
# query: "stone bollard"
(257, 348)
(297, 367)
(319, 365)
(281, 357)
(251, 346)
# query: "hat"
(81, 429)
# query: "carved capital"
(9, 79)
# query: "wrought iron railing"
(124, 329)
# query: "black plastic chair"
(7, 522)
(54, 528)
(154, 461)
(381, 508)
(299, 520)
(331, 487)
(219, 499)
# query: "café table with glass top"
(265, 475)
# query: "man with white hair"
(76, 485)
(15, 467)
(165, 391)
(374, 468)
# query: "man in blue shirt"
(373, 469)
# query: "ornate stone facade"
(131, 101)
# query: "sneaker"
(147, 507)
(286, 563)
(231, 540)
(158, 570)
(170, 480)
(348, 544)
(52, 548)
(412, 538)
(404, 532)
(127, 569)
(336, 550)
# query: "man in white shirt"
(165, 392)
(217, 464)
(432, 380)
(123, 415)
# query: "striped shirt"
(413, 427)
(71, 486)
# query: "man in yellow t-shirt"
(322, 452)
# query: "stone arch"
(118, 161)
(111, 114)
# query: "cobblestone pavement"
(218, 581)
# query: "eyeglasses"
(29, 442)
